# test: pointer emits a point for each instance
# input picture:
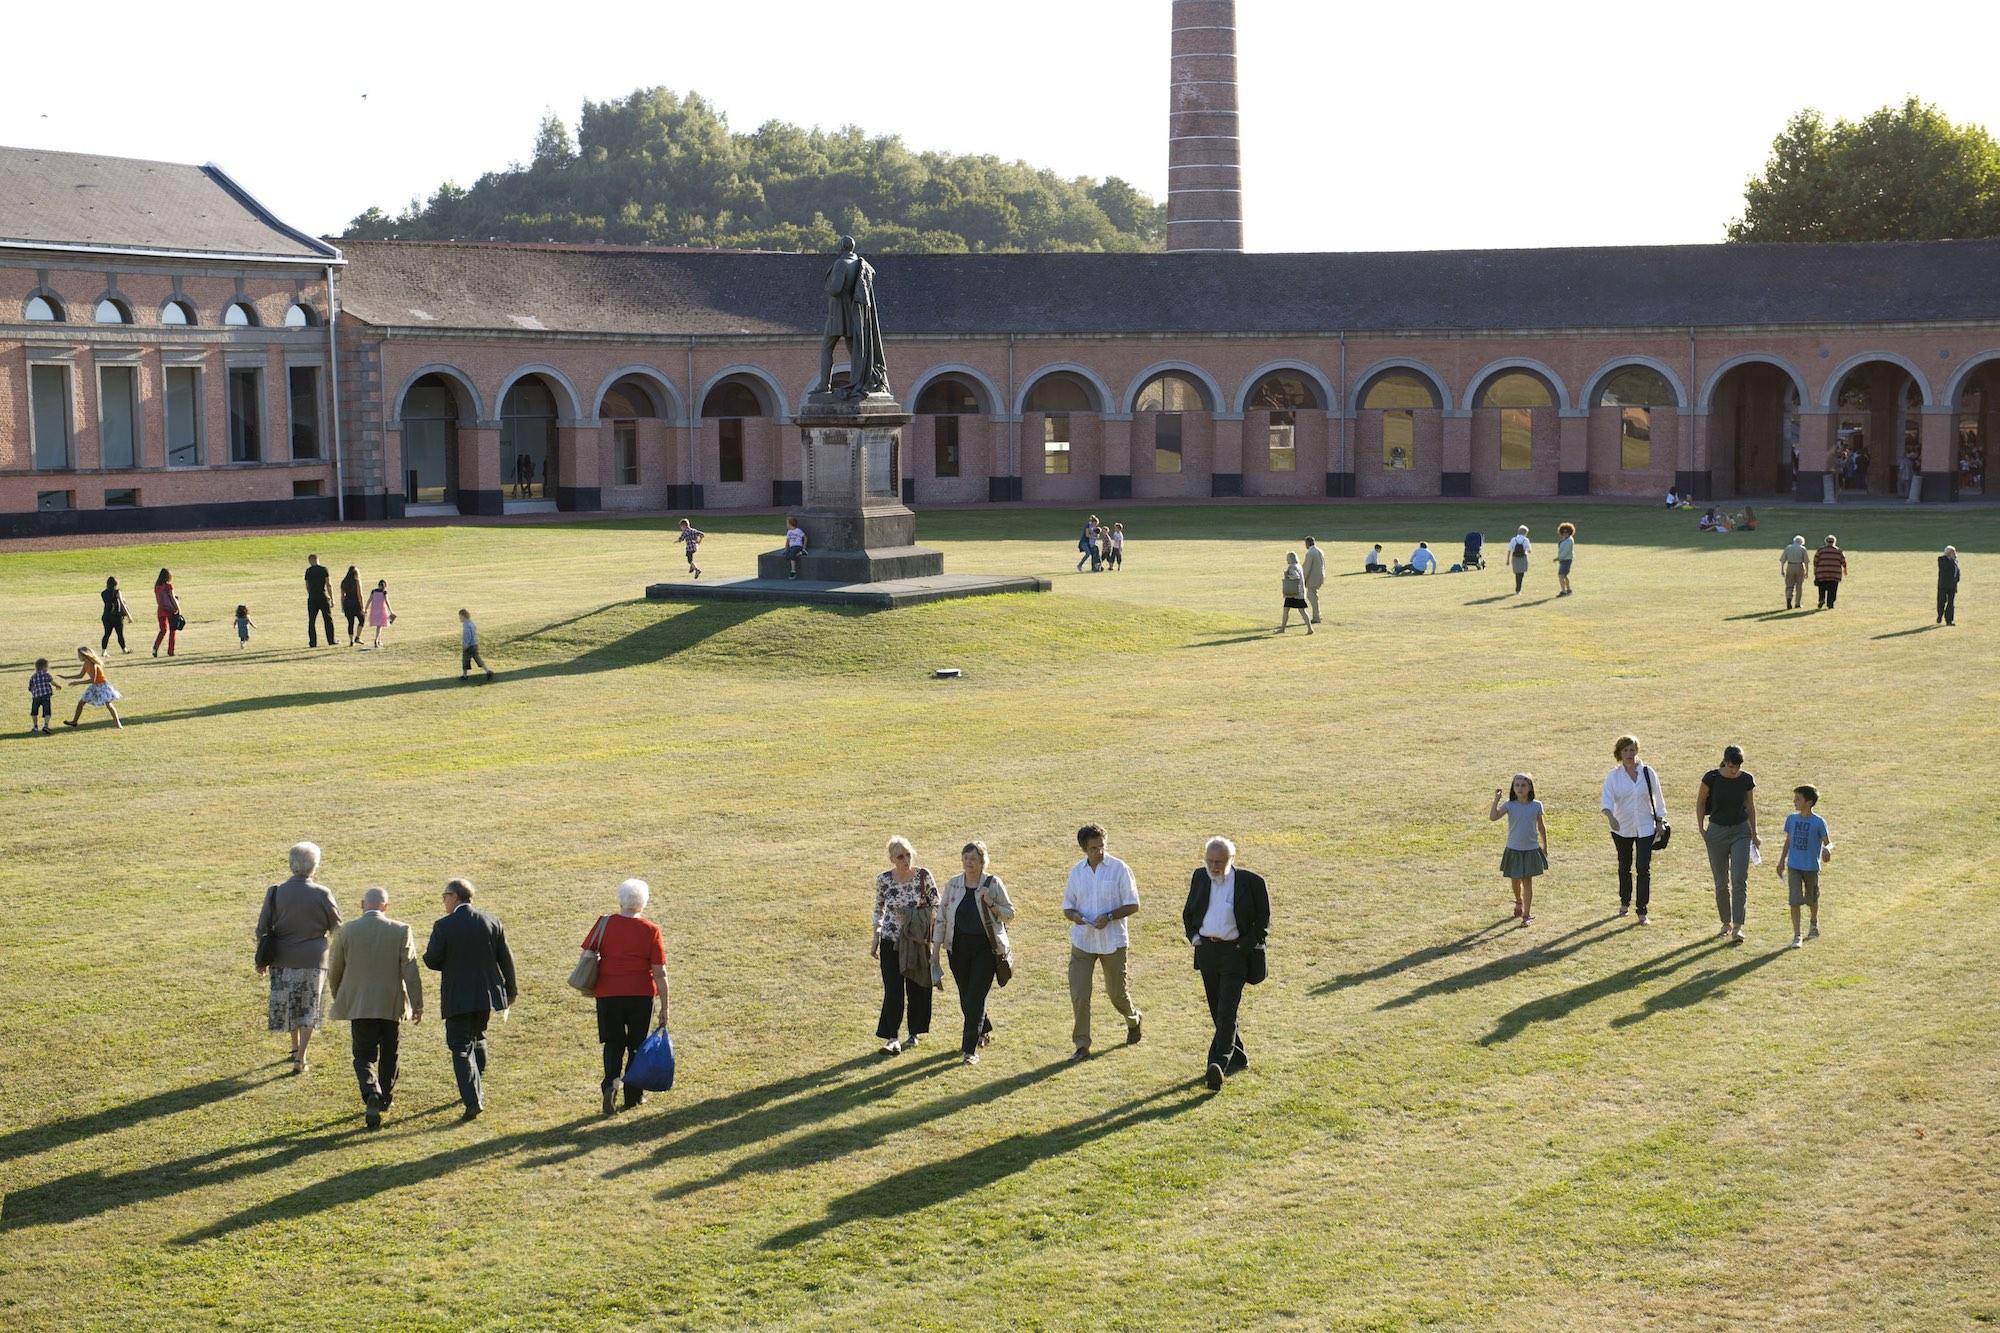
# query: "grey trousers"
(1312, 599)
(1729, 862)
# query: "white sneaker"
(1797, 942)
(1720, 933)
(1813, 933)
(893, 1047)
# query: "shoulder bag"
(584, 975)
(1003, 966)
(1663, 833)
(267, 936)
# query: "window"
(121, 498)
(1399, 439)
(239, 316)
(304, 385)
(48, 392)
(946, 431)
(305, 490)
(246, 416)
(49, 502)
(1516, 393)
(41, 310)
(183, 416)
(1635, 438)
(176, 313)
(1171, 391)
(1636, 391)
(1284, 390)
(299, 317)
(1517, 433)
(1055, 443)
(1283, 441)
(1167, 442)
(732, 398)
(111, 312)
(947, 396)
(1398, 388)
(1060, 391)
(730, 464)
(118, 401)
(626, 434)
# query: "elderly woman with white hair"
(292, 927)
(906, 897)
(631, 970)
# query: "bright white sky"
(1366, 126)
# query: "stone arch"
(1216, 400)
(1595, 383)
(1507, 363)
(1084, 373)
(1956, 385)
(567, 398)
(773, 396)
(1859, 359)
(989, 393)
(1383, 367)
(471, 410)
(672, 408)
(1767, 358)
(1327, 396)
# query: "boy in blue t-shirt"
(1808, 844)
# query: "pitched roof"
(609, 289)
(125, 205)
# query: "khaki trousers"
(1081, 965)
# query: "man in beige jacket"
(376, 984)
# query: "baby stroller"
(1475, 543)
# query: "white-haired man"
(1227, 917)
(376, 984)
(470, 949)
(292, 927)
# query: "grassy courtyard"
(1448, 1122)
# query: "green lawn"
(1448, 1123)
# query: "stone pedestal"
(858, 530)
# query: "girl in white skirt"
(98, 693)
(1527, 853)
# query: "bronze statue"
(850, 314)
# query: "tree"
(552, 144)
(1899, 174)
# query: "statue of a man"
(850, 314)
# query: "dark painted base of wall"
(1808, 488)
(683, 496)
(167, 518)
(909, 490)
(1114, 486)
(1456, 485)
(1694, 485)
(787, 493)
(1223, 484)
(579, 499)
(1936, 486)
(1000, 490)
(483, 504)
(1340, 485)
(363, 508)
(1572, 483)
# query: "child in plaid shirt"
(41, 686)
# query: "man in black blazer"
(470, 949)
(1227, 916)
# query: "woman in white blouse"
(901, 891)
(1634, 806)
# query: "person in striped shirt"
(1829, 568)
(691, 537)
(41, 688)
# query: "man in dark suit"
(1227, 916)
(319, 605)
(470, 949)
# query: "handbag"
(178, 621)
(1255, 968)
(1664, 833)
(267, 940)
(1003, 966)
(584, 975)
(651, 1068)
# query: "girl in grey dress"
(1527, 853)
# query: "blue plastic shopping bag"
(652, 1067)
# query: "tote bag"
(584, 975)
(652, 1066)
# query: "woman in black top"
(1726, 813)
(350, 604)
(114, 617)
(1947, 587)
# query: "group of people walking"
(1100, 545)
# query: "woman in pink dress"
(379, 613)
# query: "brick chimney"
(1204, 165)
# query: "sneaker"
(1736, 935)
(1527, 921)
(1132, 1029)
(1797, 942)
(1812, 933)
(1215, 1078)
(892, 1047)
(1724, 931)
(969, 1058)
(1624, 911)
(911, 1044)
(1642, 919)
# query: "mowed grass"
(1448, 1122)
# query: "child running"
(1527, 853)
(1808, 844)
(469, 641)
(244, 624)
(99, 693)
(691, 537)
(41, 688)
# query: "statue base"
(858, 530)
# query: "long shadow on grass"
(1499, 969)
(1906, 633)
(677, 633)
(1258, 637)
(1563, 1003)
(827, 1144)
(1430, 953)
(1695, 989)
(929, 1183)
(61, 1133)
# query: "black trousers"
(321, 609)
(622, 1024)
(1629, 851)
(1947, 607)
(355, 619)
(375, 1041)
(898, 995)
(115, 625)
(1224, 972)
(1829, 592)
(465, 1037)
(972, 967)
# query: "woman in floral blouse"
(900, 891)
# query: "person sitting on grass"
(1808, 845)
(1673, 498)
(1422, 561)
(1373, 561)
(469, 647)
(99, 693)
(41, 688)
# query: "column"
(1939, 457)
(480, 488)
(1815, 448)
(1573, 454)
(1457, 475)
(1114, 475)
(1232, 437)
(579, 466)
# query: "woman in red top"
(168, 607)
(631, 970)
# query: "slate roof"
(123, 204)
(497, 285)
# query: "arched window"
(430, 441)
(111, 312)
(1635, 391)
(1399, 395)
(528, 437)
(625, 404)
(1060, 391)
(1284, 391)
(299, 316)
(728, 403)
(177, 313)
(1516, 393)
(42, 310)
(239, 315)
(944, 400)
(1172, 391)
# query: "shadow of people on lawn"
(933, 1182)
(1906, 633)
(1499, 969)
(32, 1139)
(1563, 1003)
(1430, 953)
(1695, 989)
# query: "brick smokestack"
(1204, 165)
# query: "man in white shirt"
(1315, 563)
(1226, 919)
(1099, 896)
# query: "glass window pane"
(1517, 431)
(1635, 434)
(1399, 389)
(48, 387)
(627, 435)
(40, 309)
(183, 416)
(1283, 390)
(237, 316)
(1516, 388)
(1060, 392)
(117, 397)
(732, 449)
(304, 410)
(949, 396)
(173, 312)
(946, 429)
(1282, 439)
(1399, 438)
(1167, 442)
(1055, 442)
(246, 416)
(1636, 386)
(732, 398)
(296, 317)
(108, 312)
(1171, 391)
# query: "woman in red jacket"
(631, 970)
(167, 606)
